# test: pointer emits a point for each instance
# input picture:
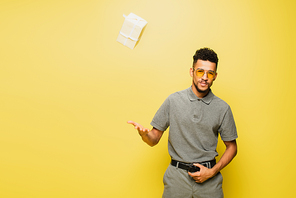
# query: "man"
(196, 117)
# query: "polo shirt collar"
(192, 97)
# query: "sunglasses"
(200, 73)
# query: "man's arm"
(151, 137)
(205, 173)
(229, 154)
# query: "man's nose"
(205, 76)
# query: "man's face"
(202, 83)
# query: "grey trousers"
(178, 184)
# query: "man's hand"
(202, 175)
(142, 131)
(205, 173)
(151, 137)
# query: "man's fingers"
(138, 126)
(195, 174)
(131, 122)
(198, 165)
(196, 177)
(145, 130)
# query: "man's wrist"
(215, 170)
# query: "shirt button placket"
(197, 111)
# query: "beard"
(199, 90)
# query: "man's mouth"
(202, 83)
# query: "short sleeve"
(227, 128)
(161, 119)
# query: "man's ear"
(191, 72)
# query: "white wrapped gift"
(131, 30)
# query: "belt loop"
(206, 164)
(177, 165)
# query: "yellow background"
(67, 89)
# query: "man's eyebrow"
(205, 70)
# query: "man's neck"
(199, 94)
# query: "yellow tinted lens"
(200, 72)
(211, 75)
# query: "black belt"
(190, 167)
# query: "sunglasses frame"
(207, 73)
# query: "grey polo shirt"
(194, 125)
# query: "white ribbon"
(134, 39)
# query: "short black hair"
(206, 54)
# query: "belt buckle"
(192, 168)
